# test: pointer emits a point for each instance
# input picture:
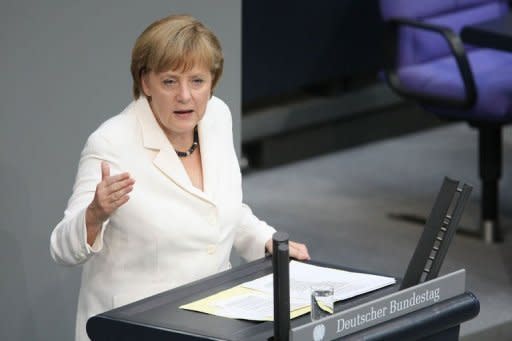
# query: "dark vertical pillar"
(281, 270)
(490, 164)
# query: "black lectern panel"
(159, 317)
(438, 322)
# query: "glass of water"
(322, 301)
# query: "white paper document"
(346, 284)
(259, 304)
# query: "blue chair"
(429, 64)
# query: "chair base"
(491, 232)
(490, 165)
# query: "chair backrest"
(419, 46)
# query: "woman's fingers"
(120, 187)
(114, 180)
(123, 200)
(299, 251)
(111, 191)
(105, 170)
(109, 180)
(296, 250)
(120, 194)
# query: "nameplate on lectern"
(382, 309)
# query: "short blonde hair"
(172, 43)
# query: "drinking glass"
(322, 301)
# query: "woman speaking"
(157, 199)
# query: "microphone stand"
(281, 271)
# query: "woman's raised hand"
(111, 193)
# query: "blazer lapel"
(166, 160)
(209, 155)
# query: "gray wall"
(65, 69)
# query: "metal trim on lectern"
(383, 309)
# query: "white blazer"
(169, 233)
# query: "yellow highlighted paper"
(224, 304)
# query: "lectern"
(159, 318)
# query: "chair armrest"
(457, 50)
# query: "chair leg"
(490, 164)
